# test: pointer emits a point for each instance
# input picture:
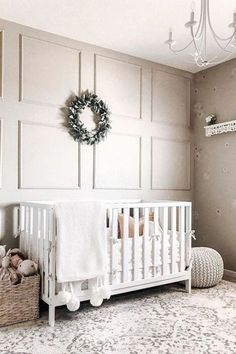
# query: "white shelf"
(220, 128)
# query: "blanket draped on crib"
(81, 244)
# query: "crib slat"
(35, 235)
(41, 249)
(45, 252)
(165, 241)
(146, 244)
(114, 245)
(22, 228)
(51, 254)
(110, 217)
(188, 238)
(125, 244)
(155, 253)
(30, 221)
(136, 244)
(15, 220)
(173, 240)
(182, 237)
(26, 226)
(28, 230)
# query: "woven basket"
(19, 303)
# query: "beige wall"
(215, 161)
(147, 155)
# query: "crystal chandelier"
(199, 31)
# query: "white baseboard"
(229, 273)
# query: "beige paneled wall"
(147, 154)
(215, 161)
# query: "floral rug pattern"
(153, 321)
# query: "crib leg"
(51, 315)
(188, 286)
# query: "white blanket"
(81, 244)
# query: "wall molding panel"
(39, 160)
(170, 99)
(119, 83)
(38, 58)
(117, 162)
(48, 157)
(170, 164)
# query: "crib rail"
(149, 243)
(162, 249)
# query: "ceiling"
(134, 27)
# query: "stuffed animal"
(14, 266)
(17, 256)
(7, 272)
(2, 253)
(27, 268)
(4, 272)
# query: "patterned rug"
(160, 320)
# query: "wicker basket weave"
(19, 303)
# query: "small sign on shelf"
(220, 128)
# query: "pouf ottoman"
(207, 267)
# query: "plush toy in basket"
(15, 266)
(19, 287)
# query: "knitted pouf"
(207, 267)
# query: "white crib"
(134, 263)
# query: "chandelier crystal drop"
(199, 31)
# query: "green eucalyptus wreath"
(76, 127)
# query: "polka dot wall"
(215, 162)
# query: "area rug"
(160, 320)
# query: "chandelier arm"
(197, 35)
(184, 60)
(218, 54)
(212, 61)
(206, 2)
(224, 47)
(199, 62)
(200, 65)
(201, 45)
(212, 29)
(220, 38)
(181, 50)
(195, 46)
